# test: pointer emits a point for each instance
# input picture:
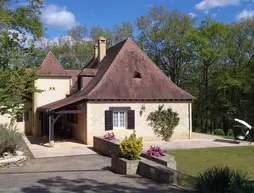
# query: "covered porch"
(65, 124)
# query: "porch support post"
(51, 131)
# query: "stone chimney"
(102, 48)
(96, 51)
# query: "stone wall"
(106, 147)
(96, 119)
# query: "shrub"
(222, 180)
(131, 147)
(219, 132)
(10, 138)
(155, 151)
(163, 122)
(109, 136)
(230, 133)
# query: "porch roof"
(59, 104)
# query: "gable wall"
(62, 88)
(96, 119)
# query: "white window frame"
(118, 120)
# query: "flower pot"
(124, 166)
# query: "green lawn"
(191, 162)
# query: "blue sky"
(60, 15)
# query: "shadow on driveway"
(83, 185)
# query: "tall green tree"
(122, 31)
(73, 50)
(208, 45)
(20, 26)
(164, 36)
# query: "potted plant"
(130, 151)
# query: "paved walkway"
(82, 174)
(72, 148)
(42, 150)
(198, 141)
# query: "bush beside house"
(163, 122)
(13, 151)
(219, 132)
(10, 139)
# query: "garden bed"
(166, 160)
(106, 147)
(155, 171)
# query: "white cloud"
(206, 5)
(193, 15)
(245, 14)
(58, 17)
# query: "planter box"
(124, 166)
(167, 160)
(152, 170)
(106, 147)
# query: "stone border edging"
(13, 161)
(26, 146)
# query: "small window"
(137, 75)
(26, 116)
(119, 120)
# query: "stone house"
(115, 91)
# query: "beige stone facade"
(96, 120)
(54, 88)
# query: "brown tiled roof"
(60, 103)
(51, 67)
(115, 78)
(89, 72)
(74, 75)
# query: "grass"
(192, 162)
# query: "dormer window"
(137, 75)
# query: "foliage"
(214, 180)
(164, 37)
(224, 180)
(109, 136)
(230, 133)
(131, 147)
(77, 48)
(219, 132)
(20, 28)
(155, 151)
(163, 122)
(10, 139)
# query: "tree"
(97, 31)
(19, 28)
(163, 122)
(164, 37)
(207, 43)
(122, 32)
